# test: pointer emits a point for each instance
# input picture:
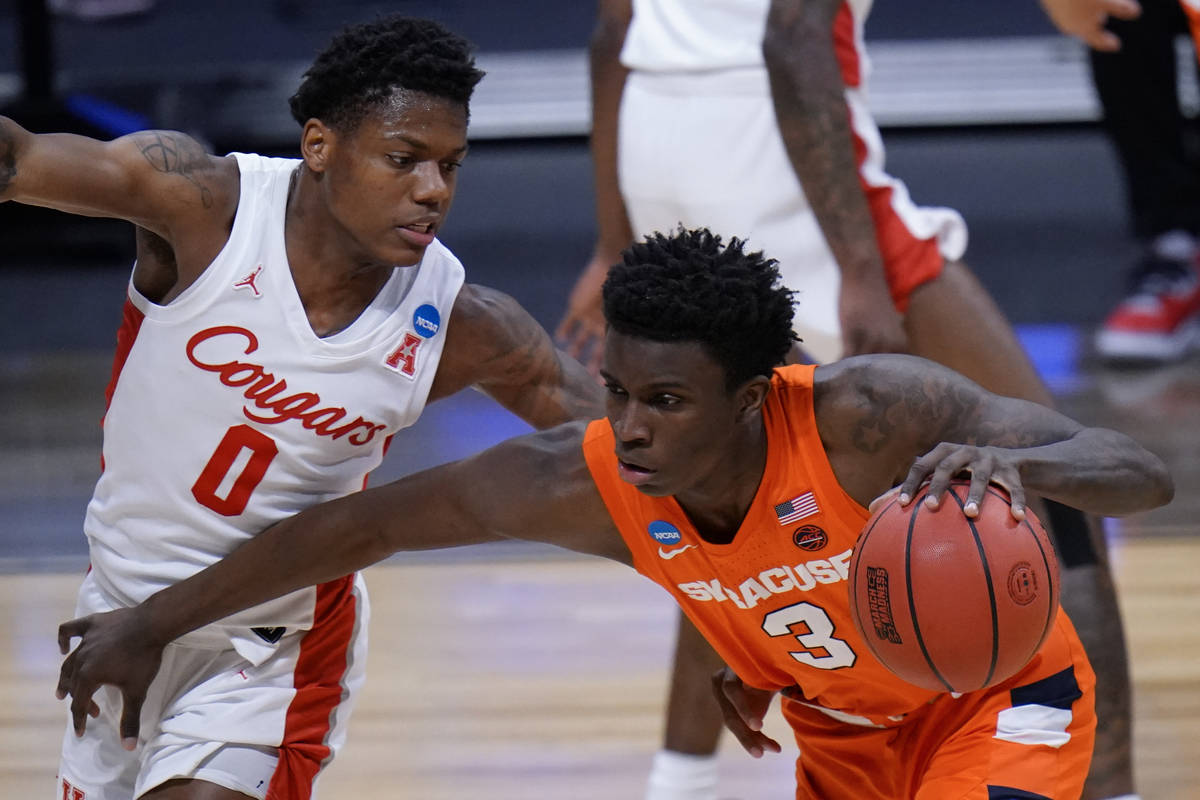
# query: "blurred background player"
(750, 116)
(285, 318)
(1158, 148)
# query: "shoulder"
(486, 323)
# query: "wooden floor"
(543, 678)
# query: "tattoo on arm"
(942, 409)
(8, 160)
(176, 154)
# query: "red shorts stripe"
(318, 681)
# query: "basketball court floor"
(514, 671)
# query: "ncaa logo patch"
(427, 321)
(664, 532)
(809, 538)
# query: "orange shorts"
(1029, 738)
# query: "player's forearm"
(813, 118)
(1098, 470)
(608, 83)
(320, 544)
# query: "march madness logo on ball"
(810, 538)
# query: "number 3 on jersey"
(262, 451)
(819, 637)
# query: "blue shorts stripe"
(1059, 690)
(1009, 793)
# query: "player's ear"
(316, 143)
(751, 395)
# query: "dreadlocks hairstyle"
(690, 287)
(365, 63)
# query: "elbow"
(1161, 484)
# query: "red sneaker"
(1159, 320)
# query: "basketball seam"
(1050, 606)
(987, 573)
(912, 606)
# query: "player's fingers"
(81, 708)
(976, 492)
(729, 686)
(66, 677)
(69, 630)
(1102, 40)
(952, 464)
(1010, 481)
(131, 715)
(1123, 9)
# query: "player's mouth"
(418, 233)
(633, 473)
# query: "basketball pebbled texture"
(951, 603)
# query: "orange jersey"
(774, 602)
(1191, 8)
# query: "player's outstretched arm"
(161, 180)
(582, 327)
(928, 423)
(494, 344)
(533, 487)
(814, 122)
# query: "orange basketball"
(951, 603)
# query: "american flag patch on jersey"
(798, 507)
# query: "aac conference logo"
(427, 321)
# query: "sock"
(680, 776)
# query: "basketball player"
(750, 117)
(284, 319)
(705, 439)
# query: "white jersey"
(700, 35)
(228, 413)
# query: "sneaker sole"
(1158, 347)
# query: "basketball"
(951, 603)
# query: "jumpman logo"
(248, 282)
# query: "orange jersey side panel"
(773, 602)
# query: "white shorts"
(212, 715)
(704, 150)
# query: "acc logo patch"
(664, 532)
(809, 538)
(427, 321)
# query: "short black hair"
(690, 287)
(366, 63)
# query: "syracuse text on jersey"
(775, 580)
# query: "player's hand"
(581, 332)
(743, 708)
(869, 319)
(115, 651)
(1085, 19)
(986, 465)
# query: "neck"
(334, 280)
(717, 505)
